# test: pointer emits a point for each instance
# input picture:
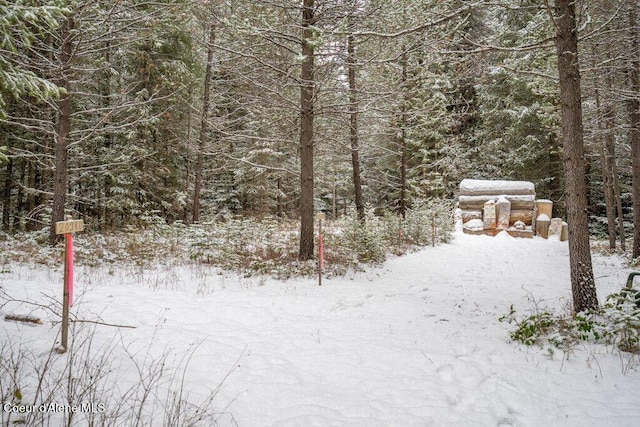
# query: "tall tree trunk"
(279, 199)
(617, 196)
(353, 126)
(604, 118)
(6, 196)
(104, 213)
(186, 211)
(25, 208)
(607, 182)
(582, 281)
(402, 202)
(611, 164)
(34, 197)
(64, 127)
(306, 132)
(204, 126)
(634, 114)
(610, 155)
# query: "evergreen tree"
(582, 281)
(21, 24)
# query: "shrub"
(429, 222)
(107, 385)
(532, 328)
(364, 238)
(246, 245)
(617, 324)
(622, 327)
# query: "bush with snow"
(617, 324)
(246, 245)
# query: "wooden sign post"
(320, 217)
(67, 228)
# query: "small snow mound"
(474, 224)
(503, 235)
(543, 217)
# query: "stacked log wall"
(475, 193)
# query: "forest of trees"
(132, 111)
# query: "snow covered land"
(414, 342)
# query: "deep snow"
(415, 342)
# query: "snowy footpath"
(415, 342)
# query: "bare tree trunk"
(611, 164)
(582, 281)
(60, 178)
(608, 152)
(618, 197)
(279, 200)
(25, 208)
(604, 119)
(402, 202)
(6, 196)
(35, 179)
(610, 147)
(104, 213)
(634, 115)
(204, 126)
(306, 133)
(353, 121)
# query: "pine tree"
(582, 281)
(20, 26)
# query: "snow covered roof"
(481, 186)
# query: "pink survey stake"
(69, 249)
(321, 244)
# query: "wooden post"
(489, 215)
(555, 227)
(67, 228)
(545, 207)
(65, 299)
(542, 225)
(504, 213)
(564, 232)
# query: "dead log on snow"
(480, 187)
(476, 203)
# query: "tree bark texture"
(306, 133)
(634, 115)
(402, 202)
(61, 174)
(582, 280)
(105, 215)
(604, 122)
(608, 150)
(204, 126)
(6, 196)
(618, 199)
(353, 127)
(27, 170)
(611, 164)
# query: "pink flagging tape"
(321, 243)
(69, 240)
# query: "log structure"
(499, 204)
(490, 207)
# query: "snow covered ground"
(416, 342)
